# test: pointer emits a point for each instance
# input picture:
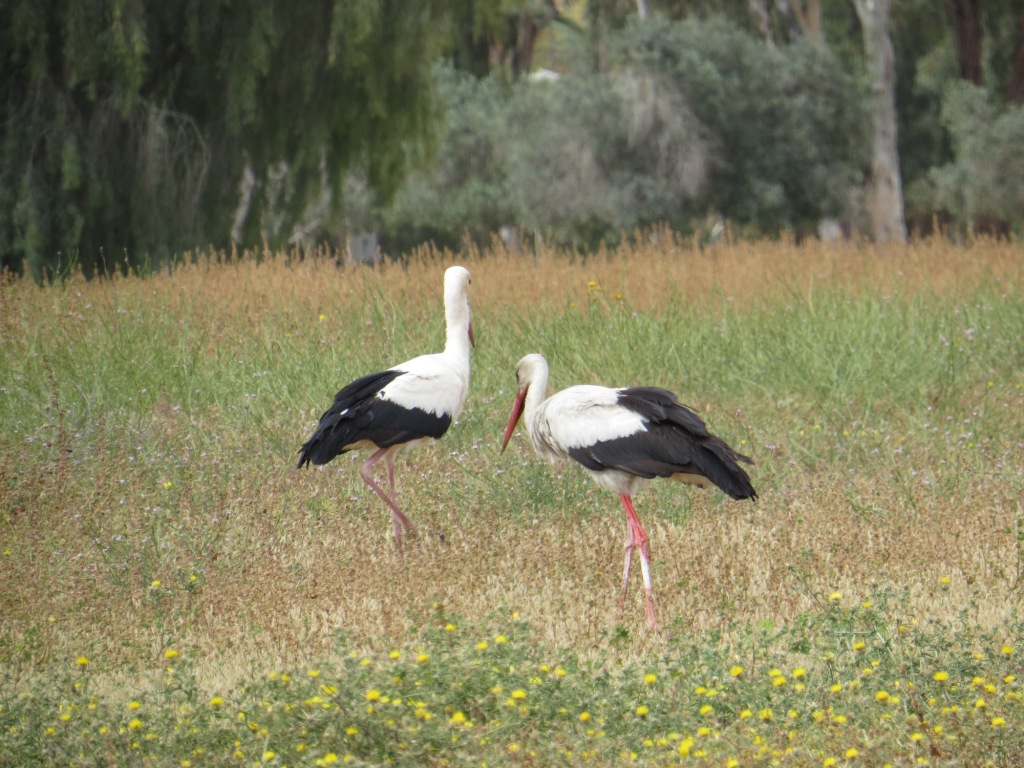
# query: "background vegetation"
(134, 133)
(176, 593)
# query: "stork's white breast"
(431, 383)
(585, 415)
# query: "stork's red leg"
(389, 459)
(398, 520)
(630, 544)
(638, 538)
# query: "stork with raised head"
(410, 404)
(623, 438)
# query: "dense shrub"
(983, 185)
(691, 119)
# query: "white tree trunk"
(885, 189)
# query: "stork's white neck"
(456, 313)
(536, 394)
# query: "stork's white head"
(456, 282)
(531, 371)
(456, 301)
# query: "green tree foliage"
(565, 151)
(925, 62)
(691, 116)
(466, 191)
(788, 124)
(127, 126)
(983, 184)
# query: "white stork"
(410, 404)
(623, 438)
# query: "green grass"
(148, 431)
(873, 690)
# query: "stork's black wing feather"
(358, 415)
(676, 441)
(657, 405)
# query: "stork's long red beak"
(472, 341)
(517, 411)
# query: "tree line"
(134, 132)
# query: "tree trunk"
(885, 188)
(808, 16)
(762, 16)
(1016, 94)
(526, 34)
(525, 28)
(965, 18)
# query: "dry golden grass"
(658, 270)
(291, 600)
(286, 563)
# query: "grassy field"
(176, 593)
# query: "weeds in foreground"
(850, 681)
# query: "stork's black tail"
(720, 464)
(341, 424)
